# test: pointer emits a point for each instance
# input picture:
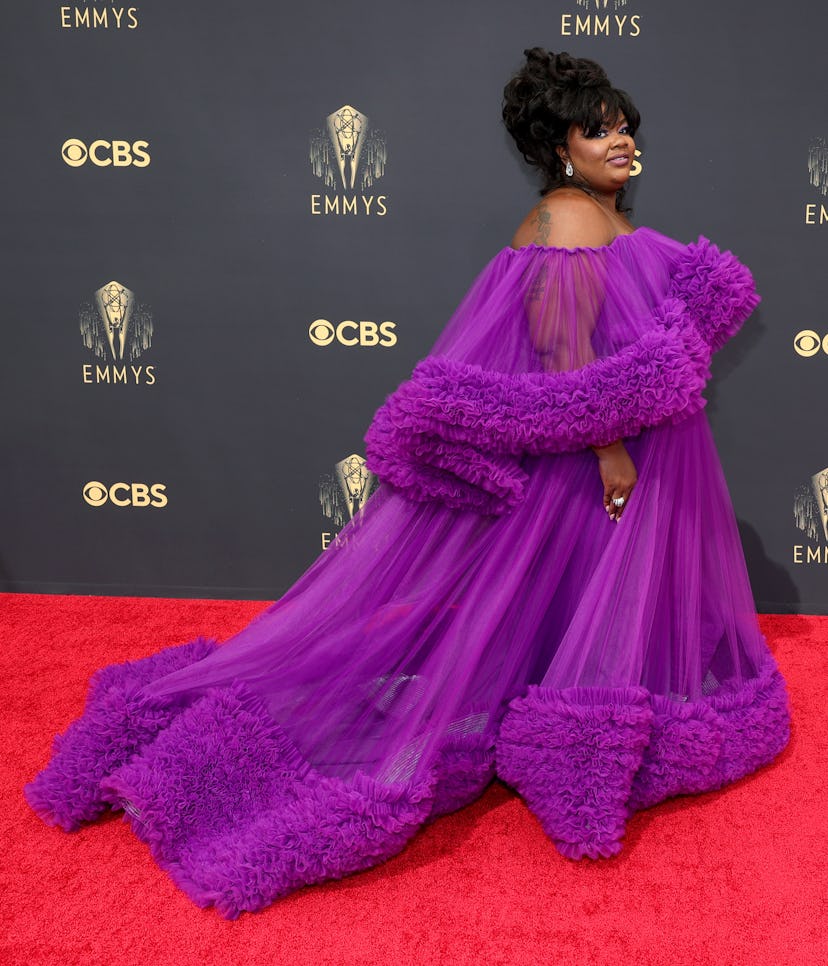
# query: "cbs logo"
(119, 154)
(323, 332)
(808, 343)
(125, 494)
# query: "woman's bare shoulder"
(565, 218)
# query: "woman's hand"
(618, 476)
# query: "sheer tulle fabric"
(480, 615)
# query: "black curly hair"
(549, 94)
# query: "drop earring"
(569, 169)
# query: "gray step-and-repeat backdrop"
(204, 304)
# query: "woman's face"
(604, 160)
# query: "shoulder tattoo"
(542, 221)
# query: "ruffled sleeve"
(717, 290)
(567, 350)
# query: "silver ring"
(618, 501)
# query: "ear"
(562, 153)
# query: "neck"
(606, 199)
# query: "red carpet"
(732, 877)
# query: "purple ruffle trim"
(111, 730)
(238, 817)
(717, 289)
(464, 767)
(456, 432)
(225, 801)
(584, 759)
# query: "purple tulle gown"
(481, 615)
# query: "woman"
(501, 605)
(585, 180)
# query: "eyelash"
(622, 130)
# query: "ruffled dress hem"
(238, 817)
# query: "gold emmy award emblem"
(354, 482)
(348, 153)
(818, 164)
(118, 329)
(811, 517)
(114, 302)
(345, 492)
(816, 213)
(819, 482)
(347, 129)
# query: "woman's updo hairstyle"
(549, 94)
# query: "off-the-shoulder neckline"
(578, 248)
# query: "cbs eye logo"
(808, 343)
(119, 154)
(322, 332)
(125, 494)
